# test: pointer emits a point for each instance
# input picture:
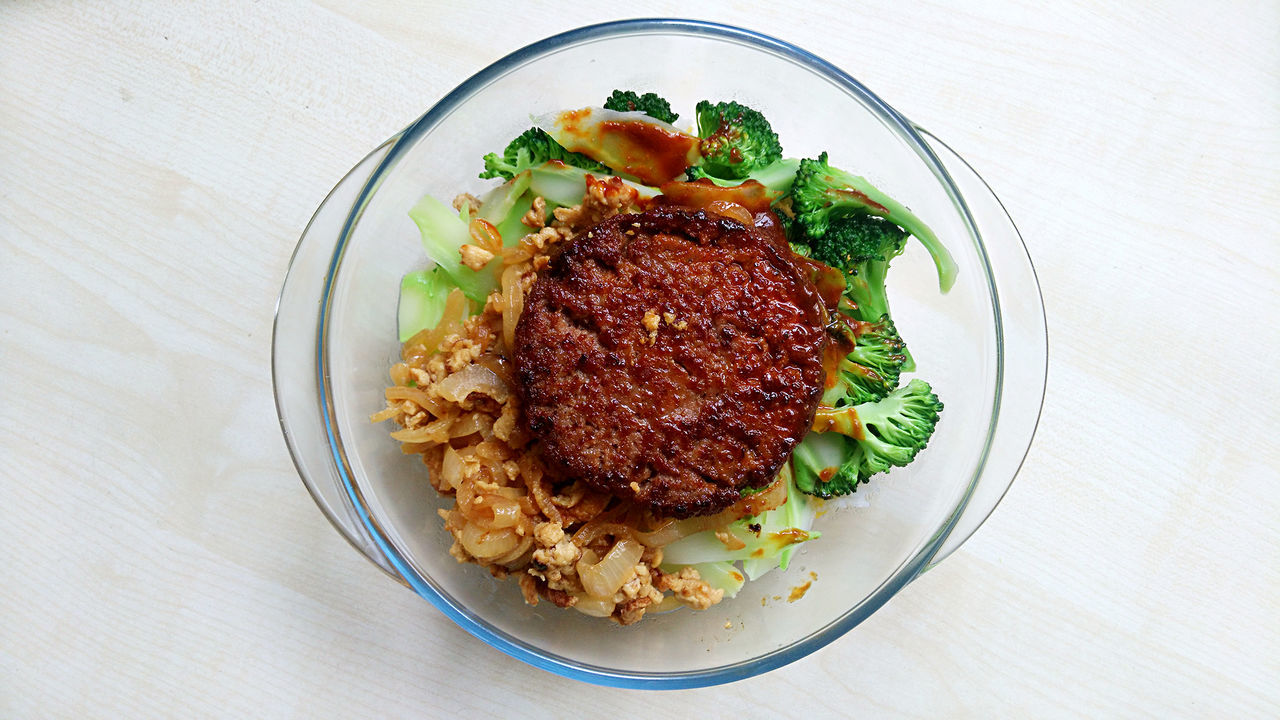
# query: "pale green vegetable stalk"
(422, 296)
(780, 531)
(444, 230)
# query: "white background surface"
(161, 558)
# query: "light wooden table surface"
(161, 558)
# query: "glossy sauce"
(652, 154)
(827, 419)
(700, 193)
(861, 197)
(649, 152)
(828, 281)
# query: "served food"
(671, 358)
(639, 363)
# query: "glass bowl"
(982, 346)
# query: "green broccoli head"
(822, 194)
(531, 148)
(847, 241)
(872, 369)
(736, 140)
(650, 104)
(890, 431)
(697, 172)
(866, 439)
(859, 245)
(879, 347)
(856, 383)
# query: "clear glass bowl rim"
(478, 627)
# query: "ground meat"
(672, 357)
(689, 587)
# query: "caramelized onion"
(702, 193)
(455, 311)
(602, 579)
(451, 468)
(470, 424)
(500, 367)
(473, 378)
(485, 235)
(436, 431)
(418, 397)
(731, 210)
(595, 607)
(487, 544)
(512, 304)
(597, 528)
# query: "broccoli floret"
(821, 195)
(830, 464)
(695, 172)
(650, 104)
(859, 242)
(872, 369)
(736, 140)
(534, 147)
(861, 246)
(886, 433)
(879, 347)
(856, 383)
(777, 176)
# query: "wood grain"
(158, 161)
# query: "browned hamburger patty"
(673, 357)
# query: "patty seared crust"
(673, 357)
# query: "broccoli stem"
(899, 214)
(443, 232)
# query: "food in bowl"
(671, 358)
(640, 364)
